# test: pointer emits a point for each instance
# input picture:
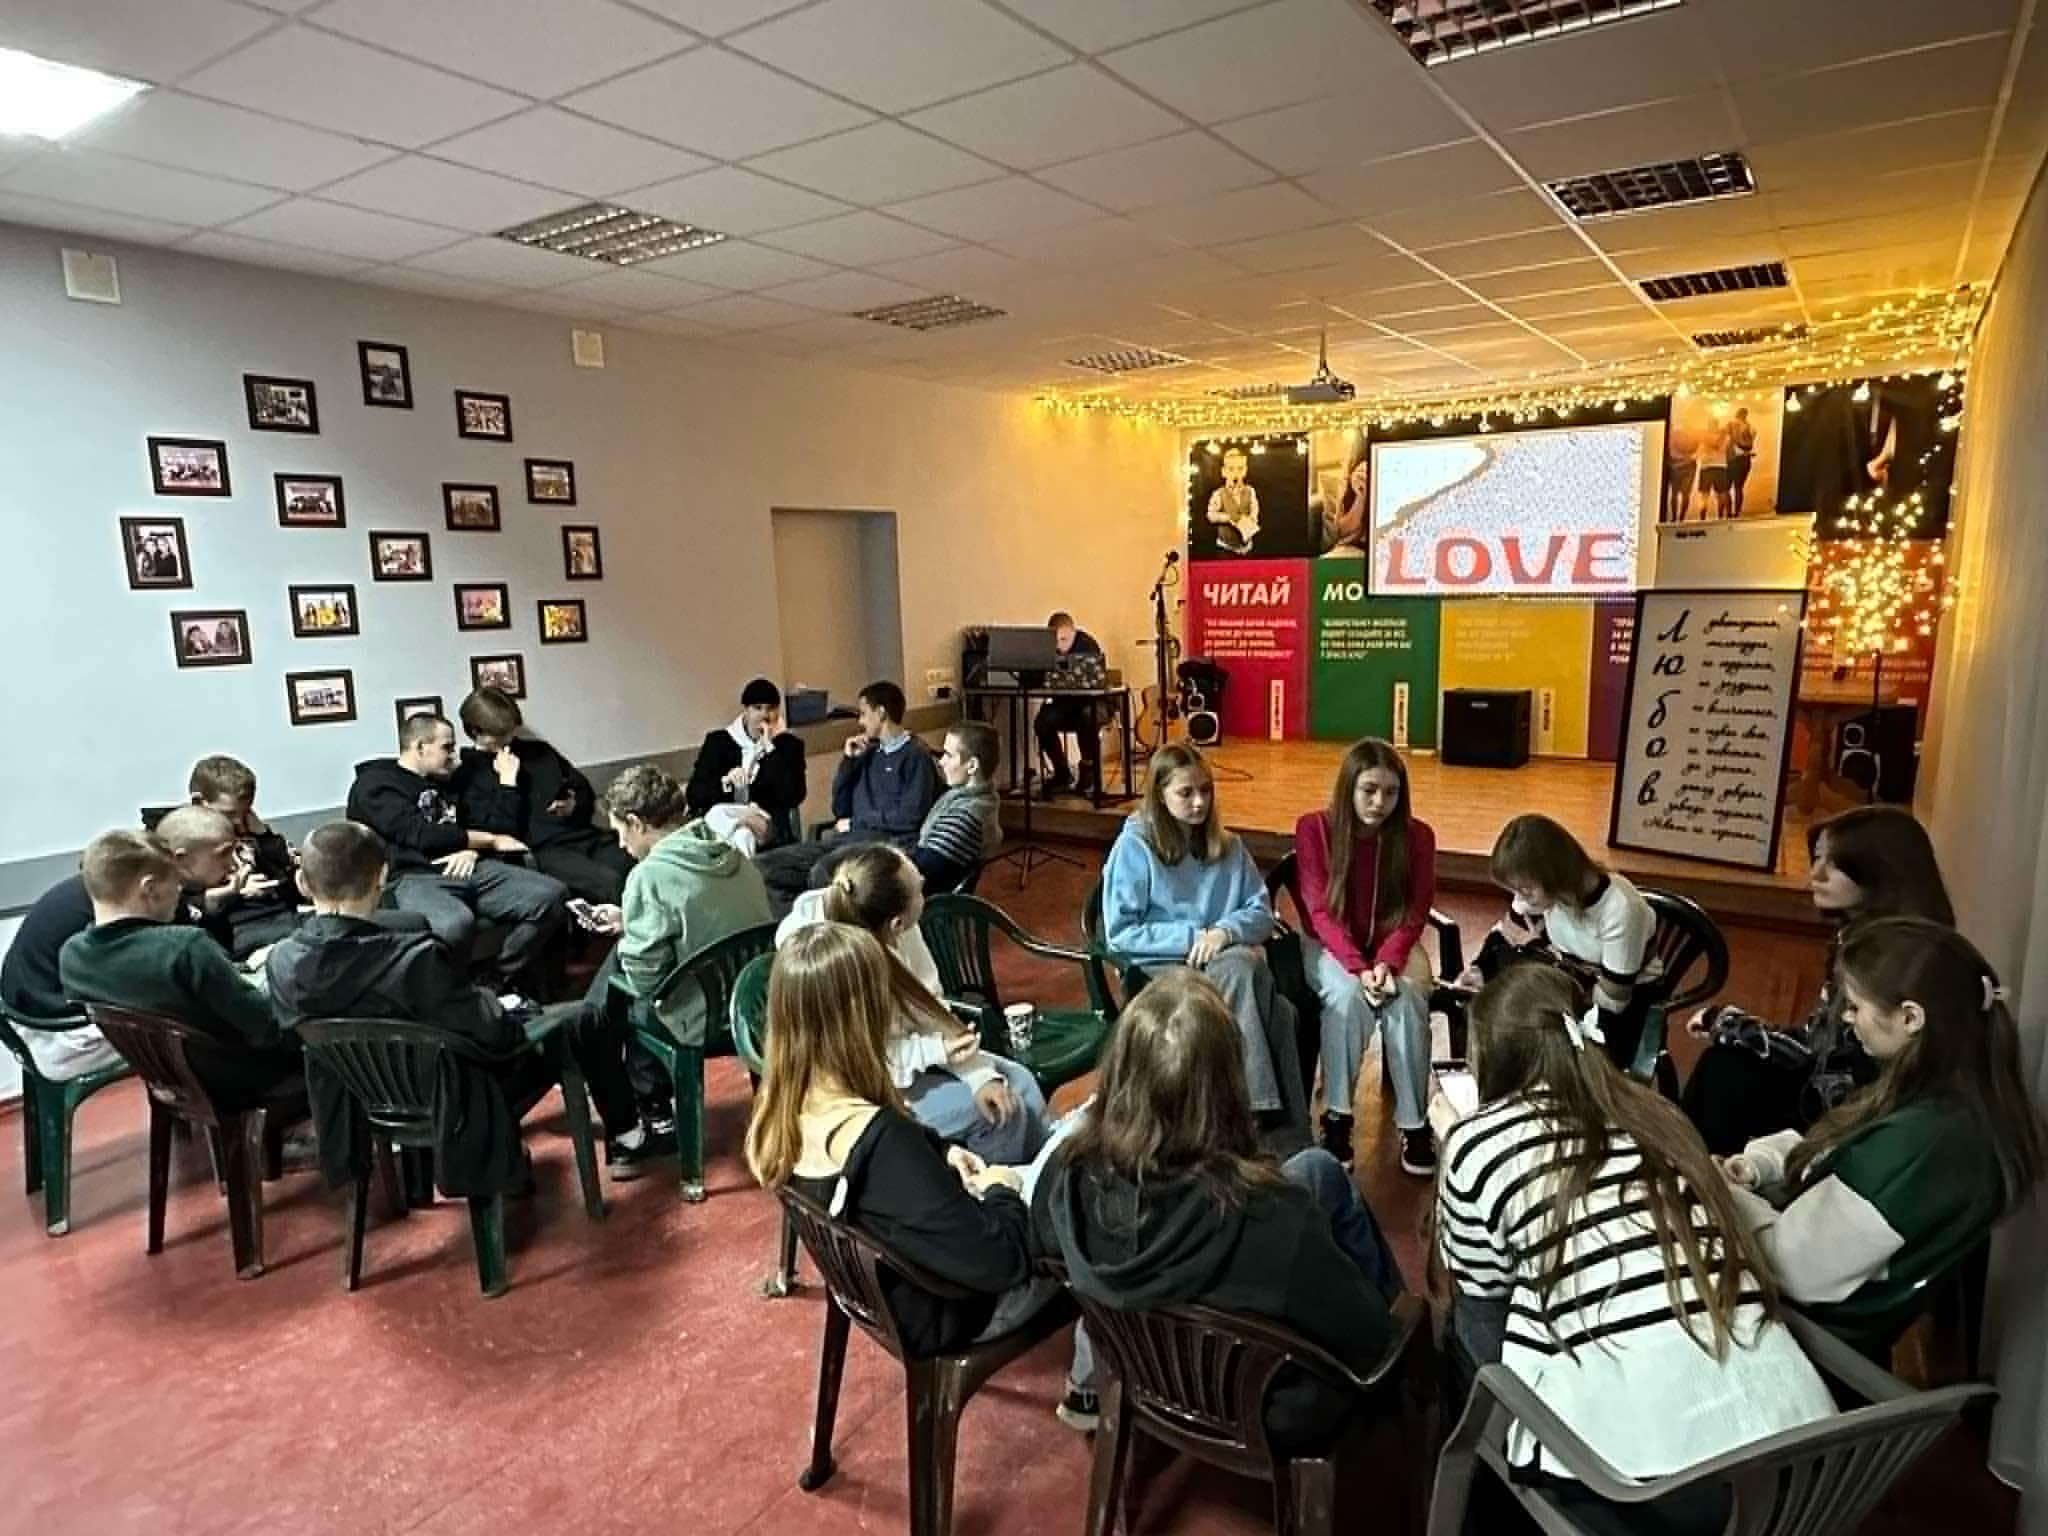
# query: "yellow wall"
(1489, 644)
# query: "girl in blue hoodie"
(1181, 889)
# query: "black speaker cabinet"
(1485, 728)
(1877, 752)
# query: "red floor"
(630, 1380)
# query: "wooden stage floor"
(1264, 786)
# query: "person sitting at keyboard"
(1080, 665)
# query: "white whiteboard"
(1708, 725)
(1751, 554)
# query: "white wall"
(841, 611)
(681, 449)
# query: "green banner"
(1373, 665)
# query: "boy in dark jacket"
(260, 904)
(342, 964)
(750, 778)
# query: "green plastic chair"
(750, 1041)
(1131, 973)
(713, 970)
(1068, 1041)
(47, 1109)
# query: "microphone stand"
(1161, 642)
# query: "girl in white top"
(1578, 1210)
(1594, 921)
(987, 1103)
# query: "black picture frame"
(468, 425)
(582, 631)
(568, 471)
(301, 715)
(160, 471)
(382, 536)
(211, 620)
(408, 707)
(570, 532)
(133, 531)
(264, 415)
(286, 495)
(451, 491)
(379, 393)
(463, 621)
(301, 630)
(478, 677)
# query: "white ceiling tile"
(1950, 78)
(966, 269)
(2024, 129)
(537, 47)
(504, 262)
(881, 163)
(309, 77)
(1104, 244)
(1340, 130)
(1094, 26)
(1648, 58)
(560, 301)
(1253, 61)
(168, 128)
(1413, 180)
(827, 332)
(715, 18)
(433, 191)
(1513, 212)
(266, 253)
(1277, 207)
(559, 149)
(716, 102)
(283, 7)
(737, 264)
(1062, 115)
(1939, 140)
(1405, 299)
(635, 288)
(995, 209)
(1624, 136)
(408, 280)
(1699, 256)
(670, 325)
(1682, 225)
(1186, 166)
(1477, 257)
(734, 202)
(746, 312)
(846, 292)
(1752, 38)
(1549, 278)
(345, 231)
(93, 179)
(47, 213)
(1299, 250)
(859, 240)
(153, 40)
(896, 55)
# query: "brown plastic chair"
(1821, 1479)
(158, 1048)
(1196, 1380)
(936, 1389)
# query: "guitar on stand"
(1160, 719)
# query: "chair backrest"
(1091, 914)
(971, 879)
(750, 1013)
(17, 1047)
(956, 929)
(853, 1263)
(387, 1067)
(1685, 936)
(150, 815)
(713, 970)
(159, 1048)
(1285, 876)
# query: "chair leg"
(31, 1136)
(576, 1100)
(162, 1123)
(687, 1078)
(1111, 1469)
(487, 1231)
(390, 1179)
(216, 1152)
(358, 1213)
(785, 1269)
(242, 1141)
(831, 1367)
(51, 1114)
(933, 1403)
(1310, 1505)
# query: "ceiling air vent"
(1749, 337)
(1701, 285)
(1439, 31)
(1607, 193)
(937, 313)
(605, 232)
(1129, 360)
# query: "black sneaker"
(1418, 1152)
(1079, 1410)
(1337, 1137)
(627, 1163)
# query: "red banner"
(1250, 617)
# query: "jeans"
(1349, 1021)
(1057, 716)
(943, 1103)
(1271, 1058)
(598, 1045)
(530, 903)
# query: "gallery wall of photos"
(318, 684)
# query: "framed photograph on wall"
(188, 466)
(563, 622)
(154, 550)
(400, 557)
(418, 704)
(318, 698)
(310, 501)
(470, 508)
(505, 673)
(281, 405)
(318, 611)
(387, 375)
(211, 637)
(483, 605)
(582, 555)
(483, 416)
(552, 481)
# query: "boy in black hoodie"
(751, 773)
(261, 905)
(438, 862)
(342, 964)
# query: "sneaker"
(1079, 1410)
(1418, 1152)
(628, 1163)
(1337, 1137)
(1056, 784)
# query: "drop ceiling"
(1213, 179)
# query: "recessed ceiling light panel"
(1701, 285)
(1749, 336)
(1701, 179)
(605, 232)
(938, 313)
(1128, 360)
(46, 100)
(1440, 31)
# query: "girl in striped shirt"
(1596, 1252)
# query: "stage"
(1263, 787)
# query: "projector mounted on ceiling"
(1325, 388)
